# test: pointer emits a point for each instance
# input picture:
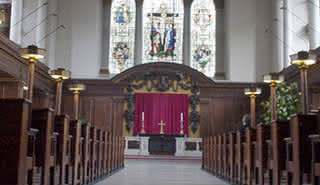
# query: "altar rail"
(189, 147)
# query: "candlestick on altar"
(181, 124)
(142, 125)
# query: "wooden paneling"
(103, 112)
(11, 89)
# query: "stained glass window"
(203, 41)
(163, 31)
(121, 55)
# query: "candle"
(181, 116)
(142, 116)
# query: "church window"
(203, 32)
(121, 54)
(163, 31)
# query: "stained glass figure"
(121, 55)
(163, 31)
(203, 39)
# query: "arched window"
(203, 36)
(163, 31)
(121, 54)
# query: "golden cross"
(161, 126)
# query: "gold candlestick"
(32, 53)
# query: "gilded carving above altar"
(163, 81)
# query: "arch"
(203, 36)
(163, 31)
(158, 67)
(122, 35)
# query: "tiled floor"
(142, 172)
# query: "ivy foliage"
(288, 103)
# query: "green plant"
(288, 103)
(84, 121)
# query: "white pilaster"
(16, 16)
(277, 23)
(286, 33)
(104, 67)
(179, 147)
(314, 13)
(51, 24)
(144, 146)
(138, 46)
(187, 32)
(219, 45)
(41, 26)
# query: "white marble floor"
(140, 172)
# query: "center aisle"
(143, 172)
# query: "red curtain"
(160, 106)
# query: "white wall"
(249, 52)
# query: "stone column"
(104, 66)
(187, 32)
(219, 44)
(16, 16)
(314, 13)
(138, 46)
(277, 38)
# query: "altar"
(161, 126)
(160, 145)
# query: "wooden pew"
(62, 164)
(54, 175)
(277, 162)
(104, 155)
(239, 157)
(98, 154)
(215, 155)
(122, 153)
(209, 154)
(43, 120)
(93, 160)
(75, 132)
(85, 132)
(34, 173)
(315, 143)
(109, 153)
(231, 158)
(204, 162)
(14, 127)
(81, 160)
(298, 161)
(261, 153)
(220, 154)
(117, 152)
(247, 148)
(225, 156)
(113, 153)
(115, 149)
(315, 163)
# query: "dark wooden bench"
(298, 148)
